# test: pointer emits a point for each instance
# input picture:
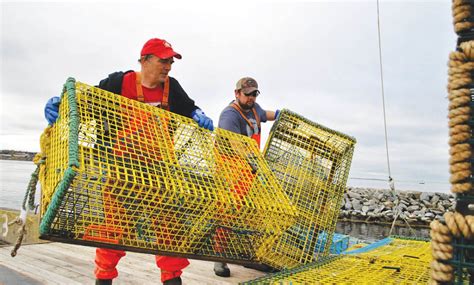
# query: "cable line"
(383, 99)
(391, 183)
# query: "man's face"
(246, 101)
(157, 68)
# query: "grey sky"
(319, 59)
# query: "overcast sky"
(319, 59)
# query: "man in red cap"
(156, 88)
(152, 86)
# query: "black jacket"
(179, 102)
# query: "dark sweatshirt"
(179, 102)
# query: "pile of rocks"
(380, 205)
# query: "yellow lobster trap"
(389, 261)
(125, 175)
(311, 162)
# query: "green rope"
(70, 86)
(73, 162)
(31, 190)
(30, 196)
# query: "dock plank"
(60, 263)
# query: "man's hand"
(272, 115)
(51, 109)
(202, 120)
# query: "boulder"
(348, 206)
(429, 215)
(413, 208)
(356, 205)
(354, 195)
(425, 196)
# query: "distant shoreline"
(17, 155)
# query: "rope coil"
(456, 226)
(442, 235)
(460, 115)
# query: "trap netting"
(311, 162)
(126, 175)
(389, 261)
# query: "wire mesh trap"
(311, 162)
(122, 174)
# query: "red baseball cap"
(159, 48)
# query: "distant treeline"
(16, 155)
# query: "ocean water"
(14, 178)
(403, 185)
(15, 175)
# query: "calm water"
(15, 176)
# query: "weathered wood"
(32, 233)
(60, 263)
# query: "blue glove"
(202, 120)
(51, 109)
(277, 113)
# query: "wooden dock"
(60, 263)
(44, 262)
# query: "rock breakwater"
(382, 205)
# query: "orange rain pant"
(106, 261)
(240, 189)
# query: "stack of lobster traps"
(124, 175)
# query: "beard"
(246, 107)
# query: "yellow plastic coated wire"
(399, 262)
(152, 181)
(311, 163)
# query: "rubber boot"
(174, 281)
(103, 282)
(221, 269)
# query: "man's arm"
(271, 115)
(113, 83)
(180, 103)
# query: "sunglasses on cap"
(253, 93)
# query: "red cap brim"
(168, 54)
